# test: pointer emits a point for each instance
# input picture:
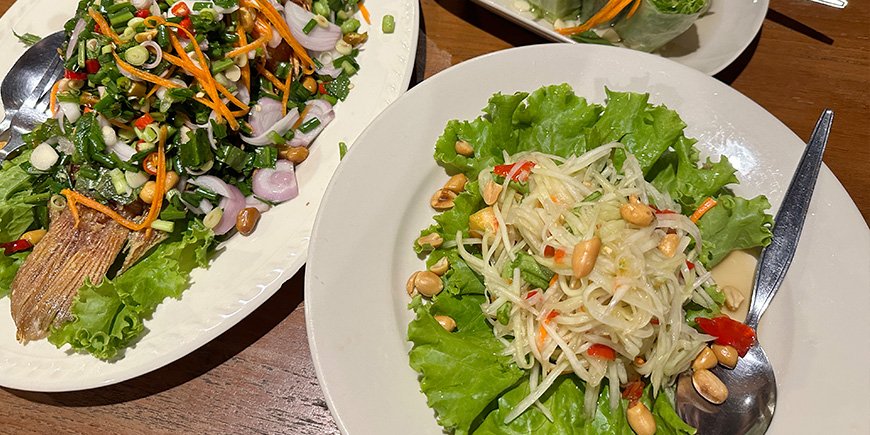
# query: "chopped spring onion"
(161, 225)
(213, 218)
(276, 138)
(351, 25)
(137, 55)
(119, 182)
(388, 24)
(342, 150)
(310, 26)
(149, 134)
(28, 39)
(309, 125)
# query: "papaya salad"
(176, 124)
(568, 274)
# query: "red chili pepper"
(665, 211)
(180, 10)
(149, 163)
(601, 351)
(143, 121)
(73, 75)
(16, 246)
(321, 89)
(97, 29)
(728, 332)
(549, 251)
(552, 314)
(144, 13)
(633, 391)
(559, 256)
(654, 321)
(531, 294)
(521, 174)
(92, 66)
(690, 265)
(187, 24)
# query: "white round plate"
(356, 305)
(249, 269)
(712, 43)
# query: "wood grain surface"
(258, 376)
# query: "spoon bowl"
(27, 72)
(751, 398)
(751, 385)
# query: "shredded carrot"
(144, 75)
(365, 13)
(74, 197)
(301, 117)
(52, 101)
(272, 15)
(633, 9)
(605, 14)
(702, 209)
(270, 77)
(553, 280)
(105, 28)
(249, 47)
(246, 70)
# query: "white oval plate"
(711, 44)
(250, 269)
(375, 206)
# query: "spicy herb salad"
(568, 274)
(176, 123)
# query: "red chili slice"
(728, 332)
(19, 245)
(601, 351)
(521, 174)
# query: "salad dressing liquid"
(738, 270)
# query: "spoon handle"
(776, 258)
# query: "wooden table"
(258, 376)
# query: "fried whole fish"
(46, 284)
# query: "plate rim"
(311, 286)
(506, 13)
(273, 283)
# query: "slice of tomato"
(728, 332)
(601, 351)
(521, 174)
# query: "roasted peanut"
(446, 322)
(247, 18)
(147, 192)
(668, 245)
(443, 199)
(432, 240)
(491, 192)
(171, 181)
(440, 267)
(705, 360)
(295, 155)
(733, 297)
(637, 213)
(247, 220)
(428, 283)
(409, 286)
(147, 35)
(639, 361)
(584, 257)
(641, 419)
(310, 84)
(709, 386)
(354, 38)
(34, 236)
(726, 355)
(464, 148)
(456, 183)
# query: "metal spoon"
(752, 384)
(26, 74)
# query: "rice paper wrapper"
(589, 8)
(651, 27)
(558, 9)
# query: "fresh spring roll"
(590, 7)
(558, 9)
(657, 22)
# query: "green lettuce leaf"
(678, 173)
(668, 422)
(15, 216)
(734, 223)
(461, 372)
(647, 131)
(9, 265)
(555, 121)
(109, 316)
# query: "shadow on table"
(733, 70)
(195, 364)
